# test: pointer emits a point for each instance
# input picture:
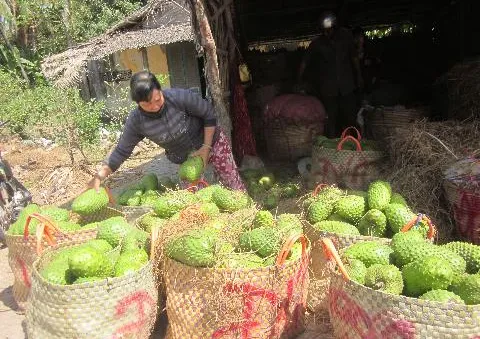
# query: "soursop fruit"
(150, 221)
(263, 241)
(18, 227)
(230, 200)
(55, 213)
(113, 230)
(209, 209)
(68, 226)
(100, 245)
(351, 207)
(191, 169)
(90, 201)
(205, 194)
(130, 261)
(442, 296)
(336, 217)
(57, 272)
(397, 216)
(288, 224)
(356, 270)
(319, 211)
(469, 252)
(373, 223)
(369, 252)
(267, 181)
(379, 194)
(337, 227)
(398, 199)
(89, 262)
(468, 288)
(425, 274)
(130, 197)
(272, 199)
(263, 219)
(149, 182)
(172, 202)
(385, 278)
(195, 248)
(409, 246)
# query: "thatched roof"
(161, 22)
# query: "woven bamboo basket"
(382, 121)
(132, 213)
(465, 205)
(290, 141)
(122, 307)
(357, 311)
(266, 302)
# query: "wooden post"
(211, 67)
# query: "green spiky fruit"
(379, 194)
(397, 216)
(90, 226)
(209, 209)
(398, 199)
(373, 223)
(172, 202)
(149, 182)
(356, 270)
(263, 241)
(272, 199)
(134, 240)
(290, 190)
(130, 261)
(337, 227)
(113, 230)
(191, 169)
(195, 248)
(149, 198)
(468, 288)
(336, 217)
(319, 211)
(57, 272)
(100, 245)
(351, 207)
(150, 221)
(469, 252)
(425, 274)
(385, 278)
(230, 200)
(55, 213)
(18, 227)
(90, 201)
(288, 224)
(263, 219)
(267, 181)
(130, 197)
(89, 262)
(408, 247)
(442, 296)
(369, 252)
(205, 194)
(68, 226)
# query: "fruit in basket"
(338, 227)
(409, 246)
(398, 199)
(57, 272)
(191, 169)
(369, 252)
(89, 262)
(263, 241)
(55, 213)
(386, 278)
(456, 261)
(230, 200)
(397, 216)
(172, 202)
(442, 296)
(100, 245)
(149, 198)
(113, 230)
(267, 181)
(195, 248)
(18, 226)
(336, 217)
(356, 270)
(263, 219)
(148, 221)
(468, 288)
(425, 274)
(134, 240)
(130, 261)
(469, 252)
(149, 182)
(205, 194)
(90, 201)
(210, 209)
(289, 190)
(379, 194)
(130, 197)
(351, 207)
(373, 223)
(68, 226)
(319, 211)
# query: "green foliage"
(49, 112)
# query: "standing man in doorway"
(331, 71)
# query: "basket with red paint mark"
(358, 311)
(348, 164)
(112, 307)
(265, 302)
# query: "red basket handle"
(349, 137)
(318, 189)
(331, 253)
(287, 247)
(46, 228)
(194, 185)
(432, 230)
(346, 130)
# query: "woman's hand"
(97, 179)
(204, 153)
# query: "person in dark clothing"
(177, 120)
(331, 70)
(367, 60)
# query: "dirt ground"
(51, 179)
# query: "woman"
(178, 121)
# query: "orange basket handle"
(432, 230)
(318, 189)
(46, 228)
(346, 130)
(331, 253)
(349, 137)
(111, 199)
(287, 247)
(196, 183)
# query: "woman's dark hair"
(141, 86)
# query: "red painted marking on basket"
(25, 276)
(467, 216)
(349, 312)
(140, 298)
(244, 328)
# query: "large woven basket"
(346, 168)
(290, 141)
(357, 311)
(132, 213)
(257, 303)
(465, 205)
(23, 251)
(382, 121)
(123, 307)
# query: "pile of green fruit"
(145, 191)
(191, 169)
(257, 245)
(268, 189)
(378, 212)
(415, 267)
(118, 249)
(348, 145)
